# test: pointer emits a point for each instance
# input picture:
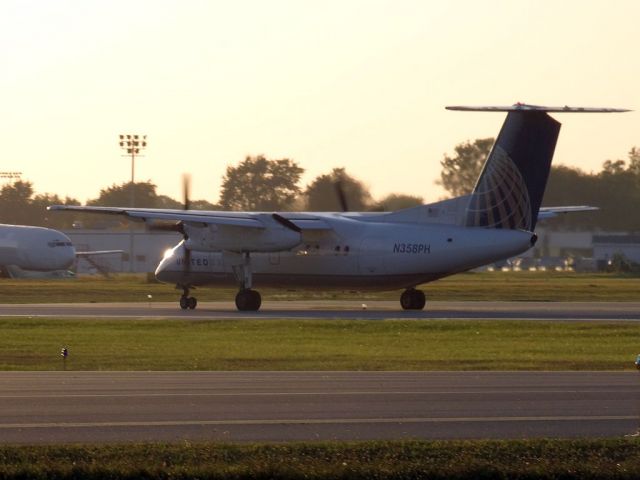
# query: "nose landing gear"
(412, 299)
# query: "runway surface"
(55, 407)
(568, 311)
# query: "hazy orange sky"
(355, 84)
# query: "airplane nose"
(167, 270)
(63, 258)
(162, 270)
(69, 257)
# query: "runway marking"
(328, 421)
(605, 312)
(320, 315)
(631, 389)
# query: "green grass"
(34, 344)
(540, 286)
(536, 286)
(525, 459)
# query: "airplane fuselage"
(35, 248)
(354, 254)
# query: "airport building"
(606, 247)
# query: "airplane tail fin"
(509, 191)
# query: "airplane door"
(371, 259)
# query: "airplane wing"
(253, 220)
(94, 253)
(238, 219)
(552, 212)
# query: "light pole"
(133, 145)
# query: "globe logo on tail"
(500, 199)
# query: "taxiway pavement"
(55, 407)
(568, 311)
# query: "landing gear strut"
(247, 299)
(186, 301)
(412, 299)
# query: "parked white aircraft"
(27, 251)
(36, 249)
(359, 251)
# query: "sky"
(337, 83)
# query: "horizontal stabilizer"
(552, 212)
(523, 107)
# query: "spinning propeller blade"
(342, 196)
(179, 226)
(186, 187)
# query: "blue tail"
(510, 188)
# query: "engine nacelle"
(212, 238)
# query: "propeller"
(342, 196)
(344, 203)
(186, 188)
(179, 226)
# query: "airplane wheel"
(192, 302)
(184, 302)
(413, 299)
(248, 300)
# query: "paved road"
(54, 407)
(628, 311)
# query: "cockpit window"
(59, 243)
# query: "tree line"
(260, 184)
(255, 184)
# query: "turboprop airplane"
(359, 251)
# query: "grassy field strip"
(539, 459)
(34, 344)
(520, 286)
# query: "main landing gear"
(412, 299)
(247, 299)
(186, 301)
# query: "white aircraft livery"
(35, 249)
(359, 251)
